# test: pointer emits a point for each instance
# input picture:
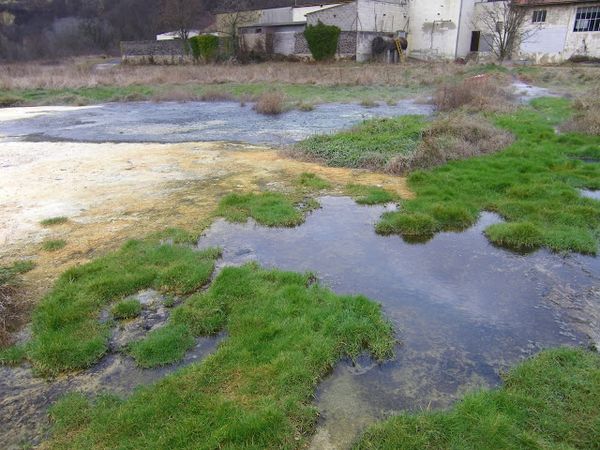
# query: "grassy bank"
(284, 335)
(548, 402)
(67, 334)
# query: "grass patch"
(269, 208)
(532, 184)
(163, 346)
(127, 309)
(257, 390)
(54, 221)
(66, 332)
(12, 356)
(550, 401)
(52, 245)
(369, 195)
(312, 181)
(370, 144)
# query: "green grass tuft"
(163, 346)
(522, 236)
(54, 221)
(10, 274)
(52, 245)
(66, 332)
(127, 309)
(532, 184)
(12, 356)
(268, 208)
(257, 389)
(369, 195)
(312, 181)
(370, 144)
(548, 402)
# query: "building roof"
(551, 2)
(225, 6)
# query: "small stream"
(464, 310)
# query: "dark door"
(475, 41)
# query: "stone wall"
(154, 52)
(346, 45)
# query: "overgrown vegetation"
(268, 208)
(66, 332)
(12, 305)
(532, 184)
(322, 40)
(256, 391)
(127, 309)
(481, 93)
(204, 48)
(586, 118)
(369, 195)
(371, 144)
(550, 401)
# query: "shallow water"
(25, 398)
(463, 309)
(172, 122)
(594, 195)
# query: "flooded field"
(172, 122)
(463, 309)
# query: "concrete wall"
(346, 45)
(344, 16)
(386, 16)
(299, 14)
(437, 28)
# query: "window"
(587, 19)
(539, 16)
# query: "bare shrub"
(587, 116)
(451, 137)
(479, 93)
(270, 103)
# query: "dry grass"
(81, 74)
(270, 103)
(451, 137)
(13, 307)
(587, 116)
(216, 96)
(480, 93)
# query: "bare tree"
(181, 15)
(503, 25)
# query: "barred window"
(539, 16)
(587, 19)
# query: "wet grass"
(12, 305)
(550, 401)
(268, 208)
(52, 245)
(12, 356)
(369, 195)
(163, 346)
(284, 334)
(127, 309)
(54, 221)
(370, 144)
(532, 184)
(66, 332)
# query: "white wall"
(299, 14)
(344, 16)
(386, 16)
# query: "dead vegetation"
(586, 118)
(13, 307)
(270, 103)
(482, 93)
(450, 137)
(81, 74)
